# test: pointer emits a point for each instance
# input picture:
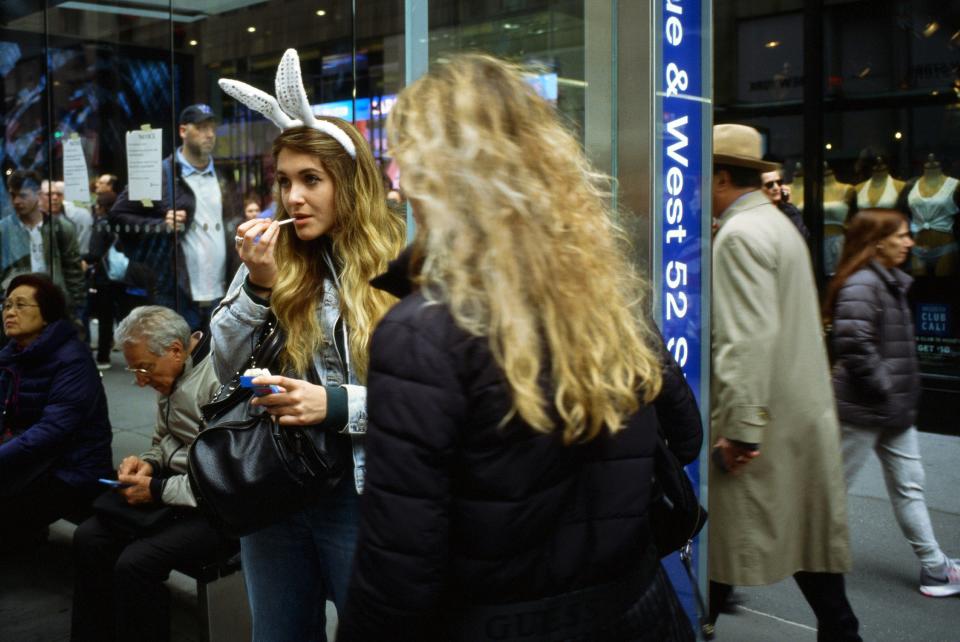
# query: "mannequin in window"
(880, 191)
(839, 200)
(932, 200)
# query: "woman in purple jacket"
(55, 433)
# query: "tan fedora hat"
(741, 146)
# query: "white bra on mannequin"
(887, 200)
(935, 212)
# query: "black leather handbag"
(246, 470)
(676, 517)
(676, 514)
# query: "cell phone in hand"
(113, 483)
(246, 381)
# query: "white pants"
(899, 455)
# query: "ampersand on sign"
(676, 79)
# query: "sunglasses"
(770, 184)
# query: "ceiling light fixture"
(897, 135)
(321, 12)
(193, 43)
(828, 146)
(773, 44)
(251, 29)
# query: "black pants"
(112, 302)
(827, 596)
(119, 592)
(26, 511)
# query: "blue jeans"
(291, 568)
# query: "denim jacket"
(234, 327)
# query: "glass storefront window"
(95, 71)
(888, 109)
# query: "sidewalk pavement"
(883, 585)
(35, 593)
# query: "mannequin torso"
(879, 192)
(933, 202)
(838, 198)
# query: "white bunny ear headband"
(290, 108)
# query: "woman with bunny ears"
(314, 276)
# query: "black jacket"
(796, 217)
(458, 510)
(148, 243)
(875, 378)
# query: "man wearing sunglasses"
(779, 194)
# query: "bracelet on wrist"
(259, 288)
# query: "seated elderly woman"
(54, 430)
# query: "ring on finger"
(238, 239)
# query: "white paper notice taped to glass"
(144, 172)
(75, 178)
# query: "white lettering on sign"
(674, 149)
(674, 31)
(679, 349)
(676, 80)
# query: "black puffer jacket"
(459, 511)
(875, 379)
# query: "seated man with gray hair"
(119, 591)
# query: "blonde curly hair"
(365, 237)
(520, 244)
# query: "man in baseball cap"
(196, 114)
(195, 211)
(777, 493)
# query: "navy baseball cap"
(196, 114)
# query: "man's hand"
(178, 218)
(732, 456)
(133, 465)
(138, 491)
(785, 193)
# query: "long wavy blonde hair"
(520, 244)
(365, 236)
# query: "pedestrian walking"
(777, 499)
(877, 380)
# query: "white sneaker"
(943, 582)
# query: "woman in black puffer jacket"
(514, 392)
(876, 380)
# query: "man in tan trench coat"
(777, 494)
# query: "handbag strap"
(269, 344)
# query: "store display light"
(251, 29)
(321, 12)
(828, 146)
(897, 135)
(193, 43)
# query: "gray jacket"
(876, 379)
(178, 423)
(63, 256)
(233, 329)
